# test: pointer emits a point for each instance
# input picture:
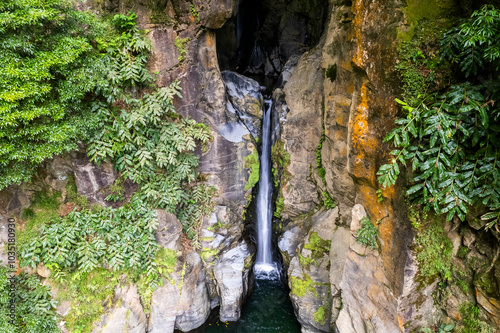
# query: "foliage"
(317, 245)
(452, 140)
(48, 69)
(35, 308)
(194, 13)
(414, 82)
(42, 199)
(367, 234)
(91, 295)
(328, 201)
(443, 328)
(119, 238)
(434, 252)
(331, 72)
(147, 141)
(470, 317)
(252, 162)
(319, 163)
(180, 44)
(476, 42)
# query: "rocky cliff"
(334, 85)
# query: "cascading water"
(264, 265)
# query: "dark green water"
(268, 310)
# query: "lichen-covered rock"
(232, 275)
(164, 302)
(309, 272)
(127, 316)
(91, 179)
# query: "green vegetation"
(181, 44)
(35, 309)
(120, 238)
(321, 315)
(252, 163)
(443, 328)
(331, 72)
(470, 317)
(49, 67)
(194, 13)
(367, 234)
(319, 163)
(328, 201)
(280, 161)
(452, 139)
(434, 253)
(301, 287)
(317, 245)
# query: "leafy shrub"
(452, 140)
(367, 234)
(48, 69)
(35, 309)
(470, 318)
(121, 238)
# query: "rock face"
(128, 316)
(232, 274)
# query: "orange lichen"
(358, 9)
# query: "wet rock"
(127, 316)
(490, 305)
(233, 281)
(245, 101)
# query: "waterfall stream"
(264, 265)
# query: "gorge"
(281, 222)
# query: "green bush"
(48, 71)
(452, 139)
(35, 308)
(367, 234)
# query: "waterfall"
(265, 267)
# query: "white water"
(265, 267)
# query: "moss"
(117, 190)
(91, 295)
(434, 252)
(463, 252)
(280, 205)
(43, 199)
(72, 193)
(301, 287)
(331, 72)
(470, 319)
(208, 253)
(317, 245)
(252, 163)
(417, 11)
(321, 315)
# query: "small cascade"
(265, 267)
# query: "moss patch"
(317, 245)
(252, 163)
(331, 72)
(321, 315)
(301, 287)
